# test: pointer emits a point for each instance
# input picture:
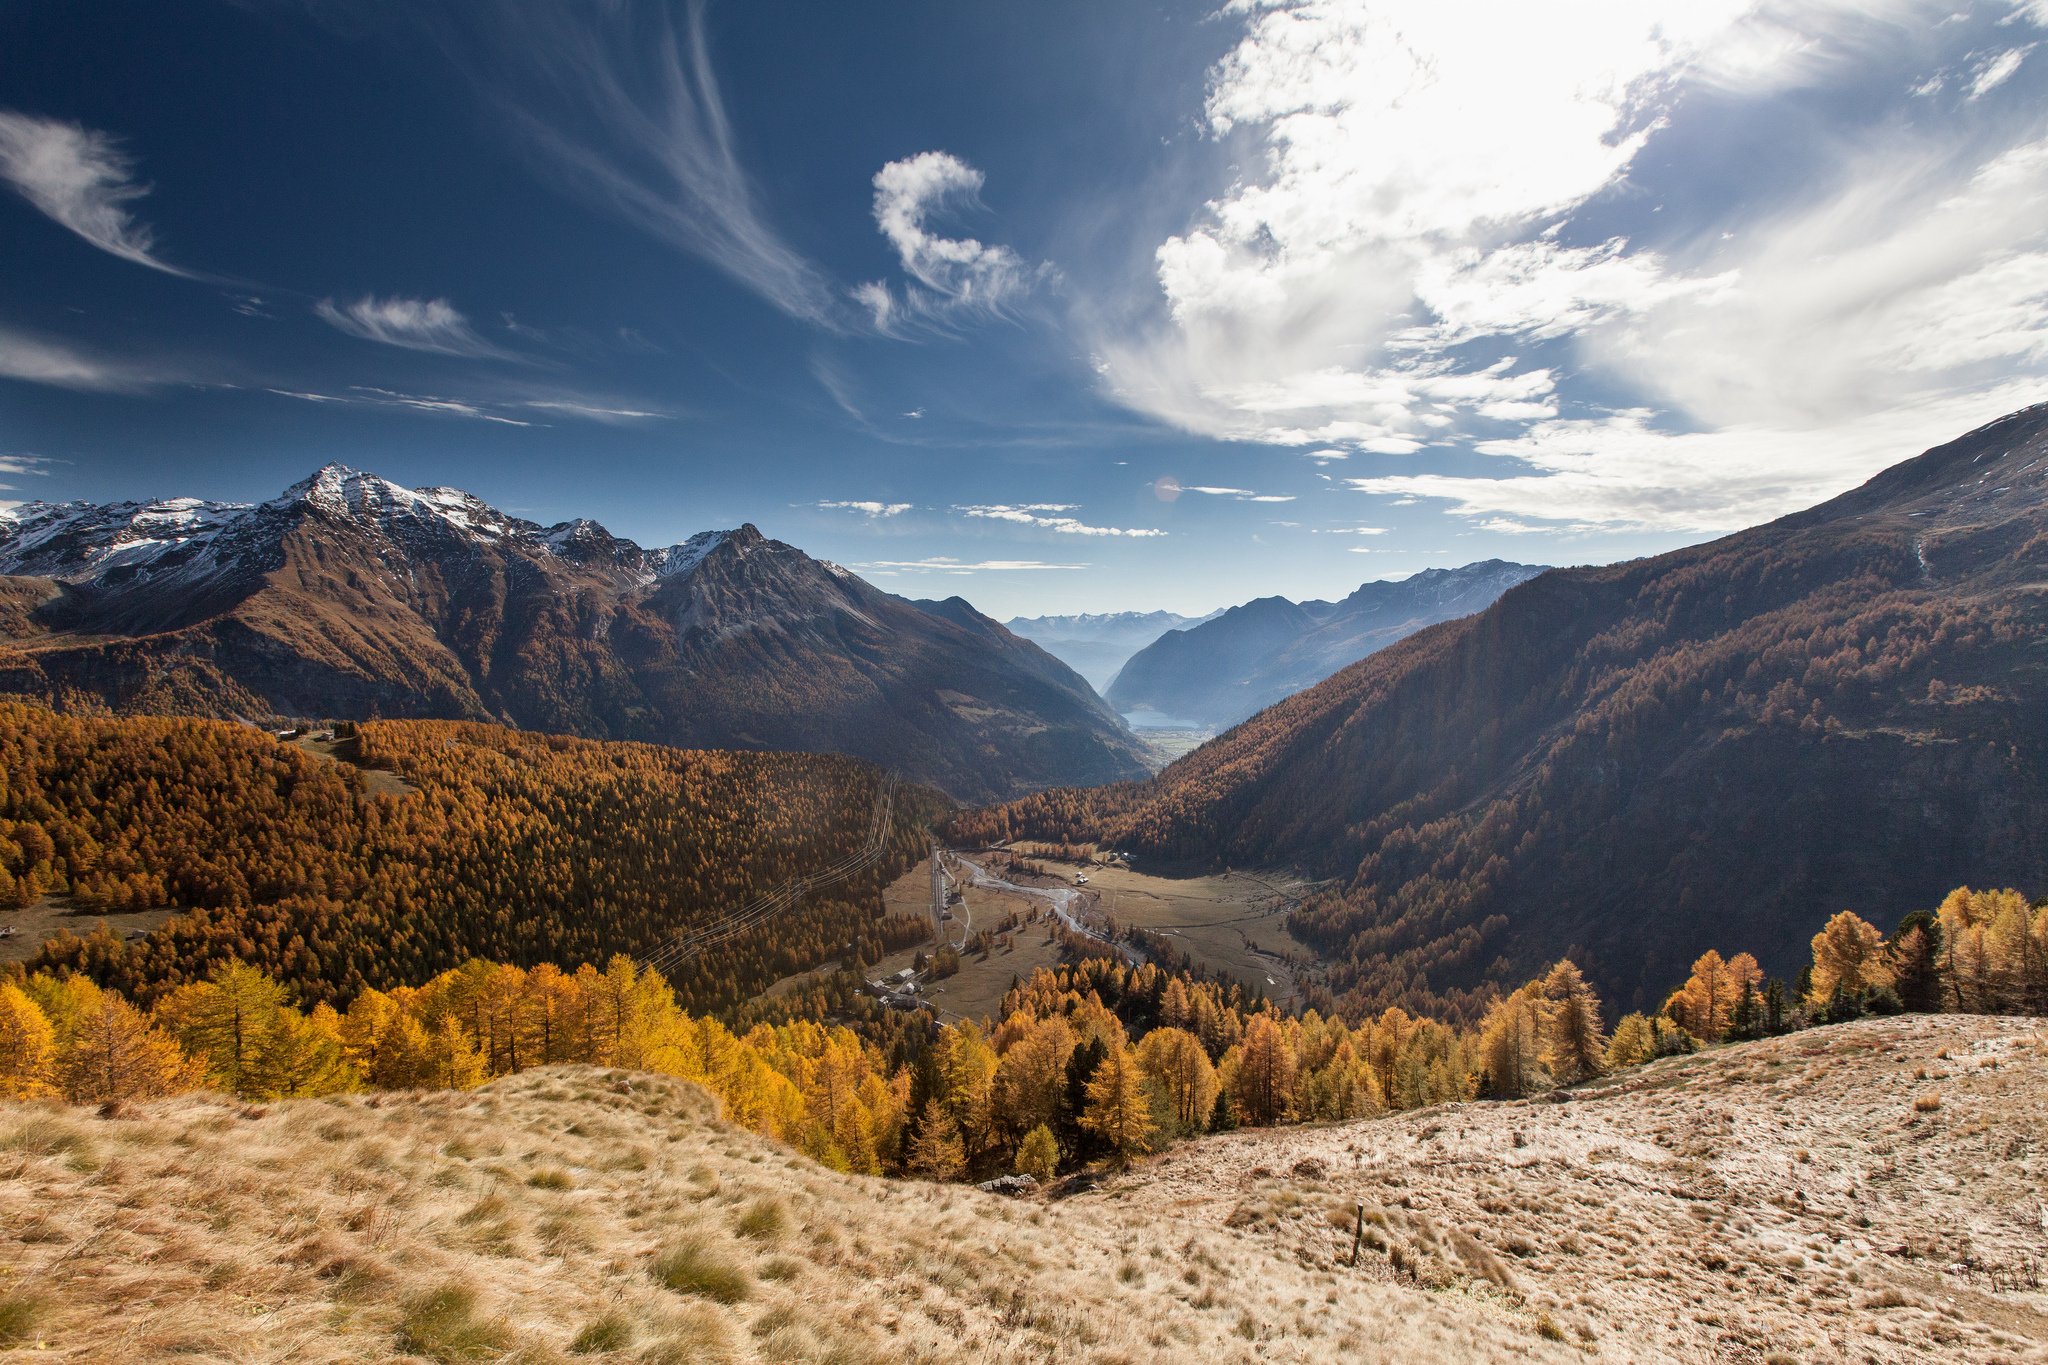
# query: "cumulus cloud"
(415, 324)
(1439, 232)
(82, 179)
(949, 275)
(867, 508)
(1048, 516)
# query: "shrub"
(443, 1326)
(19, 1314)
(612, 1332)
(765, 1220)
(693, 1266)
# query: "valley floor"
(1800, 1199)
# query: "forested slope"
(1847, 707)
(517, 847)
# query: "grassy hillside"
(1865, 1192)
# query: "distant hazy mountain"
(1096, 645)
(350, 596)
(1243, 660)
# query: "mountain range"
(1717, 747)
(350, 596)
(1214, 673)
(1096, 644)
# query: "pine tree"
(1511, 1046)
(1260, 1074)
(1117, 1110)
(1173, 1060)
(1038, 1155)
(1573, 1049)
(301, 1055)
(222, 1021)
(117, 1054)
(1847, 959)
(936, 1153)
(27, 1047)
(1634, 1042)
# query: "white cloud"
(947, 565)
(867, 508)
(1351, 530)
(619, 102)
(365, 396)
(1996, 71)
(1417, 189)
(42, 360)
(416, 324)
(1045, 515)
(1240, 494)
(595, 412)
(951, 275)
(83, 180)
(1622, 472)
(1327, 456)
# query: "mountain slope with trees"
(1848, 706)
(511, 846)
(349, 596)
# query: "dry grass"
(1662, 1218)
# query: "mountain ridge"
(349, 595)
(1219, 671)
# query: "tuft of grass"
(765, 1220)
(551, 1178)
(1547, 1328)
(612, 1332)
(1927, 1104)
(19, 1314)
(694, 1266)
(442, 1325)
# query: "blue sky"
(1076, 305)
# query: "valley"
(1234, 927)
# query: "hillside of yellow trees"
(512, 847)
(1095, 1062)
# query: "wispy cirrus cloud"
(950, 276)
(432, 325)
(1239, 494)
(364, 396)
(620, 104)
(595, 412)
(38, 359)
(945, 564)
(82, 179)
(1050, 516)
(866, 507)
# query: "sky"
(1077, 305)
